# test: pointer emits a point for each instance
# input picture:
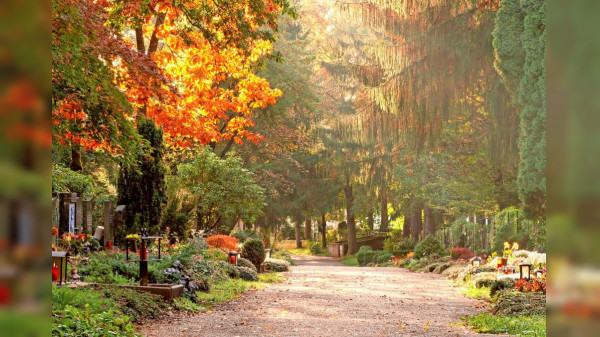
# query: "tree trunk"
(298, 240)
(406, 226)
(416, 220)
(384, 209)
(308, 228)
(76, 158)
(323, 231)
(352, 245)
(429, 220)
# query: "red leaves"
(536, 285)
(224, 242)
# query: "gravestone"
(119, 218)
(66, 219)
(87, 215)
(108, 222)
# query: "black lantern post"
(476, 261)
(525, 271)
(143, 254)
(59, 267)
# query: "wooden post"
(108, 225)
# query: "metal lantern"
(539, 273)
(525, 271)
(267, 253)
(143, 253)
(476, 261)
(59, 267)
(233, 257)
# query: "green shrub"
(389, 244)
(246, 263)
(254, 250)
(442, 267)
(74, 322)
(407, 244)
(276, 265)
(244, 235)
(383, 257)
(228, 268)
(282, 255)
(314, 247)
(501, 284)
(428, 247)
(247, 274)
(365, 256)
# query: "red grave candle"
(54, 273)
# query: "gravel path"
(322, 297)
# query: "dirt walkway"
(322, 297)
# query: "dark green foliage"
(276, 265)
(141, 186)
(501, 284)
(383, 257)
(520, 45)
(254, 250)
(247, 274)
(509, 302)
(108, 268)
(242, 262)
(428, 247)
(244, 235)
(176, 216)
(365, 256)
(229, 269)
(484, 282)
(101, 310)
(138, 305)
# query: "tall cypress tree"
(520, 45)
(141, 186)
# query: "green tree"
(141, 186)
(520, 45)
(220, 189)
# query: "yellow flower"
(132, 236)
(515, 246)
(506, 245)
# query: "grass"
(525, 326)
(290, 247)
(482, 293)
(350, 260)
(288, 244)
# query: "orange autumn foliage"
(193, 76)
(224, 242)
(213, 90)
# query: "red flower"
(54, 231)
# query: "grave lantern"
(539, 273)
(59, 267)
(267, 253)
(143, 252)
(476, 261)
(233, 257)
(525, 271)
